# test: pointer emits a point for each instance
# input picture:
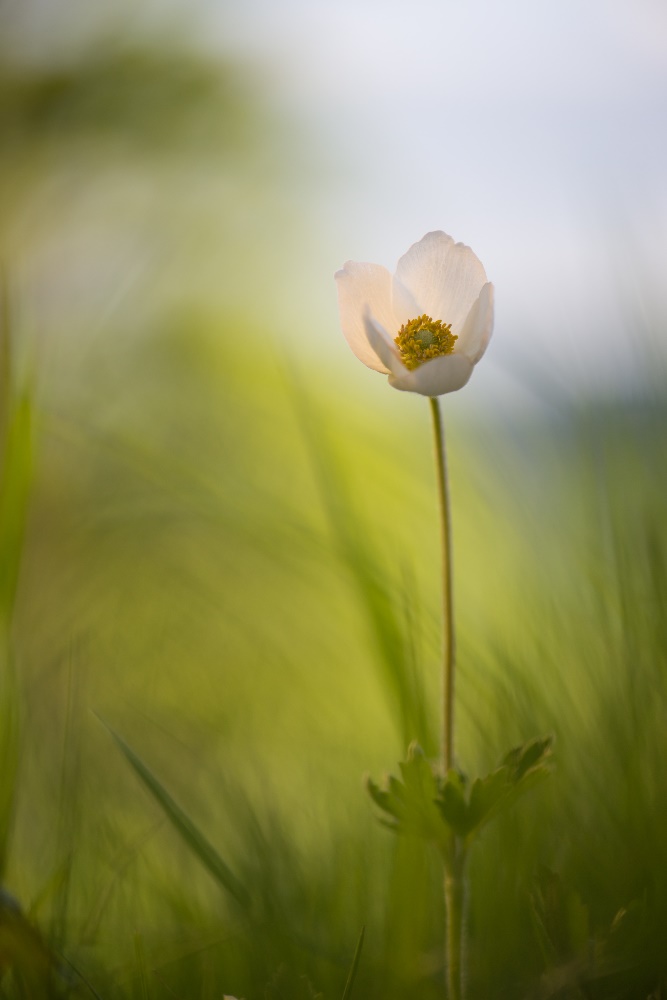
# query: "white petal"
(474, 338)
(436, 377)
(444, 277)
(403, 303)
(364, 288)
(383, 345)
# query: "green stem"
(454, 890)
(447, 601)
(454, 883)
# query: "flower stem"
(454, 893)
(447, 601)
(454, 883)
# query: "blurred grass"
(15, 476)
(230, 557)
(185, 578)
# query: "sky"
(535, 133)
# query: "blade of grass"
(182, 823)
(140, 956)
(124, 858)
(9, 748)
(347, 993)
(352, 539)
(15, 477)
(80, 976)
(67, 827)
(16, 439)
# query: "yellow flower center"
(424, 338)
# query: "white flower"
(428, 325)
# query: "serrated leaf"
(412, 802)
(379, 796)
(486, 796)
(397, 791)
(385, 802)
(389, 824)
(453, 805)
(526, 765)
(418, 774)
(521, 768)
(190, 833)
(520, 760)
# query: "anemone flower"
(427, 326)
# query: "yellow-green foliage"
(229, 558)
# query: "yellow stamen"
(424, 338)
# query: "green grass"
(232, 559)
(244, 585)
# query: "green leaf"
(452, 803)
(383, 801)
(522, 759)
(521, 768)
(397, 791)
(426, 806)
(192, 836)
(412, 803)
(486, 796)
(418, 774)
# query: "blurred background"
(217, 528)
